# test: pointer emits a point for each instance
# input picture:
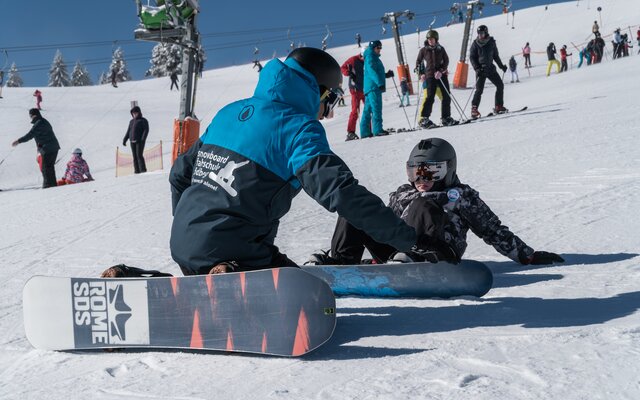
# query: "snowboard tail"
(282, 311)
(422, 279)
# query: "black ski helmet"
(433, 34)
(435, 150)
(320, 64)
(483, 29)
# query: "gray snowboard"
(282, 311)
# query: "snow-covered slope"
(564, 176)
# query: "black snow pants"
(137, 148)
(49, 169)
(348, 242)
(496, 80)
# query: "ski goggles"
(428, 171)
(330, 98)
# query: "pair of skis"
(281, 311)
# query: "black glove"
(543, 258)
(124, 143)
(389, 74)
(352, 75)
(503, 68)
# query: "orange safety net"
(152, 159)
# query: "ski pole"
(403, 108)
(455, 102)
(471, 94)
(415, 117)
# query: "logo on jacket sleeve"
(246, 113)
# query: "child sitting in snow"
(77, 170)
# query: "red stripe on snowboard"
(276, 274)
(229, 340)
(301, 343)
(264, 342)
(243, 283)
(174, 286)
(196, 336)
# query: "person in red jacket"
(38, 95)
(354, 69)
(563, 58)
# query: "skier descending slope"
(438, 206)
(235, 183)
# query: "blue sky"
(89, 31)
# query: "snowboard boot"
(124, 271)
(500, 110)
(426, 123)
(322, 258)
(448, 121)
(351, 136)
(475, 114)
(412, 257)
(224, 267)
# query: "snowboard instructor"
(47, 145)
(231, 188)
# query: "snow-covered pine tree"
(119, 67)
(80, 76)
(14, 79)
(103, 79)
(58, 75)
(165, 58)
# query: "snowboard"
(280, 311)
(422, 279)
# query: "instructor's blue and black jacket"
(235, 183)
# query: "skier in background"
(1, 82)
(404, 89)
(595, 29)
(563, 58)
(174, 80)
(354, 69)
(440, 208)
(526, 53)
(77, 170)
(551, 56)
(38, 95)
(374, 86)
(257, 64)
(433, 59)
(358, 40)
(513, 65)
(279, 147)
(47, 145)
(483, 53)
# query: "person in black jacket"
(137, 133)
(482, 55)
(47, 144)
(440, 207)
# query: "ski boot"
(475, 114)
(382, 133)
(448, 121)
(351, 136)
(500, 110)
(426, 123)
